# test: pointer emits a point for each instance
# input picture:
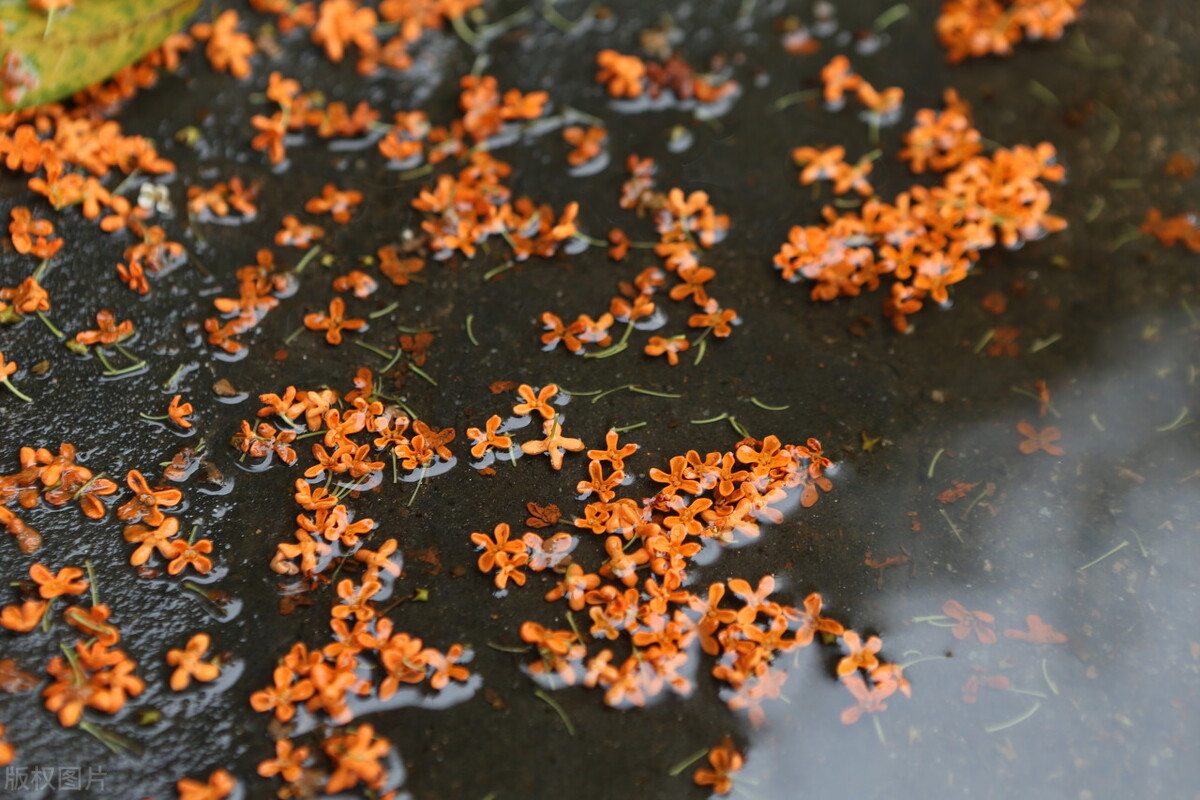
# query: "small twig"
(1043, 93)
(494, 271)
(46, 321)
(987, 337)
(985, 493)
(383, 312)
(422, 373)
(687, 762)
(1175, 423)
(933, 463)
(1042, 344)
(470, 332)
(879, 729)
(890, 17)
(766, 407)
(950, 522)
(608, 352)
(1119, 547)
(169, 384)
(1046, 675)
(793, 98)
(312, 253)
(1016, 720)
(739, 428)
(92, 583)
(652, 393)
(1141, 546)
(562, 714)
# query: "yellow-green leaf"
(45, 57)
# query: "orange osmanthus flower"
(1039, 440)
(189, 663)
(724, 760)
(334, 322)
(976, 622)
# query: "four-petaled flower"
(179, 412)
(539, 402)
(976, 622)
(69, 580)
(220, 784)
(334, 322)
(488, 438)
(724, 760)
(554, 444)
(334, 202)
(108, 330)
(1039, 440)
(189, 663)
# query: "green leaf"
(47, 57)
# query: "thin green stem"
(8, 384)
(383, 312)
(46, 321)
(1116, 549)
(312, 253)
(558, 709)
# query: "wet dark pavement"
(1107, 320)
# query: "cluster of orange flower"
(629, 77)
(225, 197)
(323, 680)
(687, 224)
(68, 151)
(58, 480)
(964, 624)
(837, 78)
(93, 676)
(27, 297)
(929, 238)
(260, 285)
(588, 143)
(1169, 231)
(328, 537)
(92, 673)
(299, 110)
(973, 28)
(328, 522)
(462, 211)
(154, 254)
(30, 235)
(152, 531)
(337, 25)
(663, 533)
(554, 445)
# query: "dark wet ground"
(1116, 707)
